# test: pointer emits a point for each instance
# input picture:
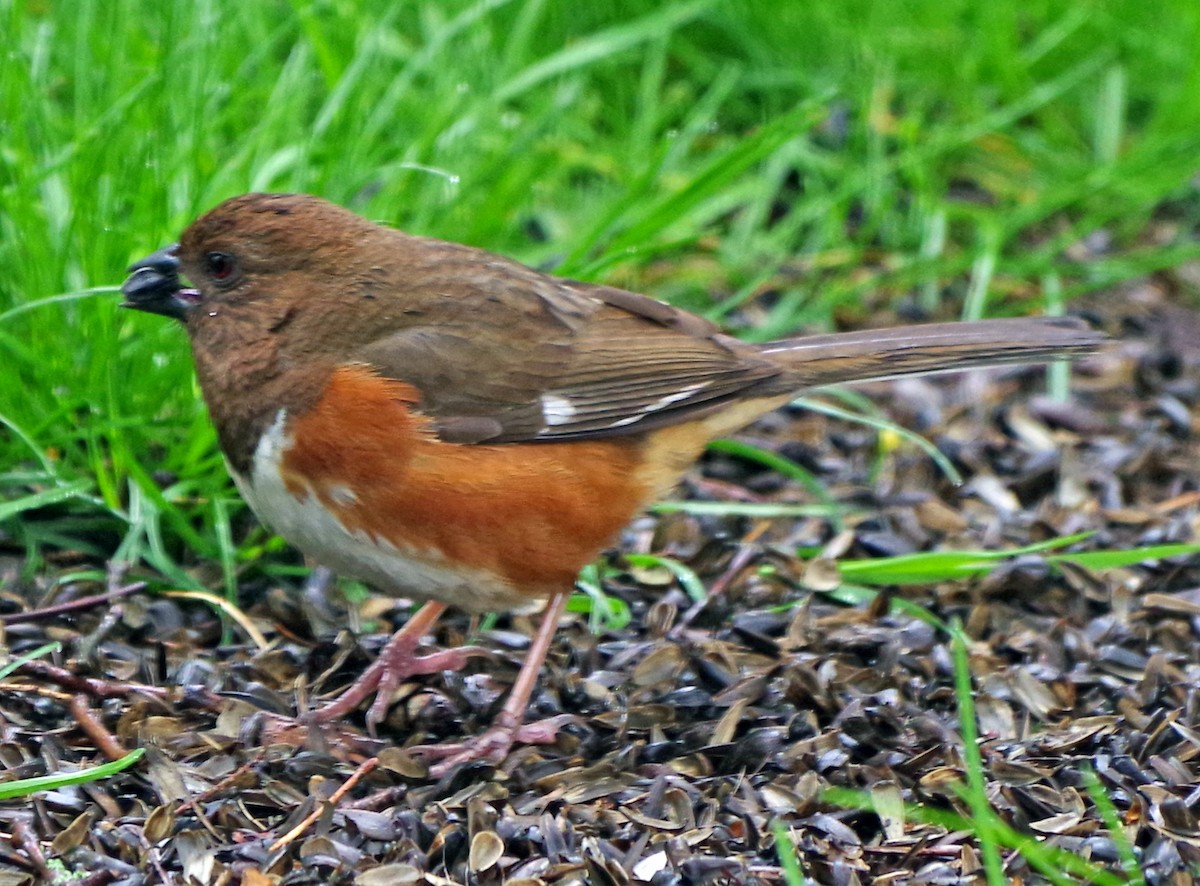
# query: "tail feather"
(936, 347)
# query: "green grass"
(24, 787)
(928, 567)
(844, 156)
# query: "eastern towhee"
(457, 428)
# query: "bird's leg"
(509, 726)
(397, 660)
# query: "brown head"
(249, 253)
(295, 267)
(284, 287)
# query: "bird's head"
(243, 253)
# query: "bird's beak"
(154, 286)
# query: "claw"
(389, 678)
(396, 662)
(491, 746)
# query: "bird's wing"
(550, 359)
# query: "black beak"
(154, 286)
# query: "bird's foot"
(396, 662)
(491, 746)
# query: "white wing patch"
(557, 410)
(681, 394)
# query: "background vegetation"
(778, 165)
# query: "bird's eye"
(220, 265)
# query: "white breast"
(315, 530)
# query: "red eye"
(220, 265)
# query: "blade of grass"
(933, 566)
(26, 786)
(763, 510)
(687, 578)
(976, 787)
(604, 610)
(602, 45)
(944, 464)
(1112, 820)
(1057, 865)
(782, 465)
(1120, 559)
(789, 857)
(45, 498)
(16, 663)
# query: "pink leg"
(396, 662)
(509, 726)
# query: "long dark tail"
(935, 347)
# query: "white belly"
(315, 530)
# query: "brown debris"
(693, 730)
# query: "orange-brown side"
(532, 513)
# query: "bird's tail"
(935, 347)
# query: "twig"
(90, 685)
(35, 689)
(193, 696)
(13, 618)
(364, 769)
(747, 550)
(220, 786)
(104, 740)
(24, 839)
(380, 799)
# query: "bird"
(456, 428)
